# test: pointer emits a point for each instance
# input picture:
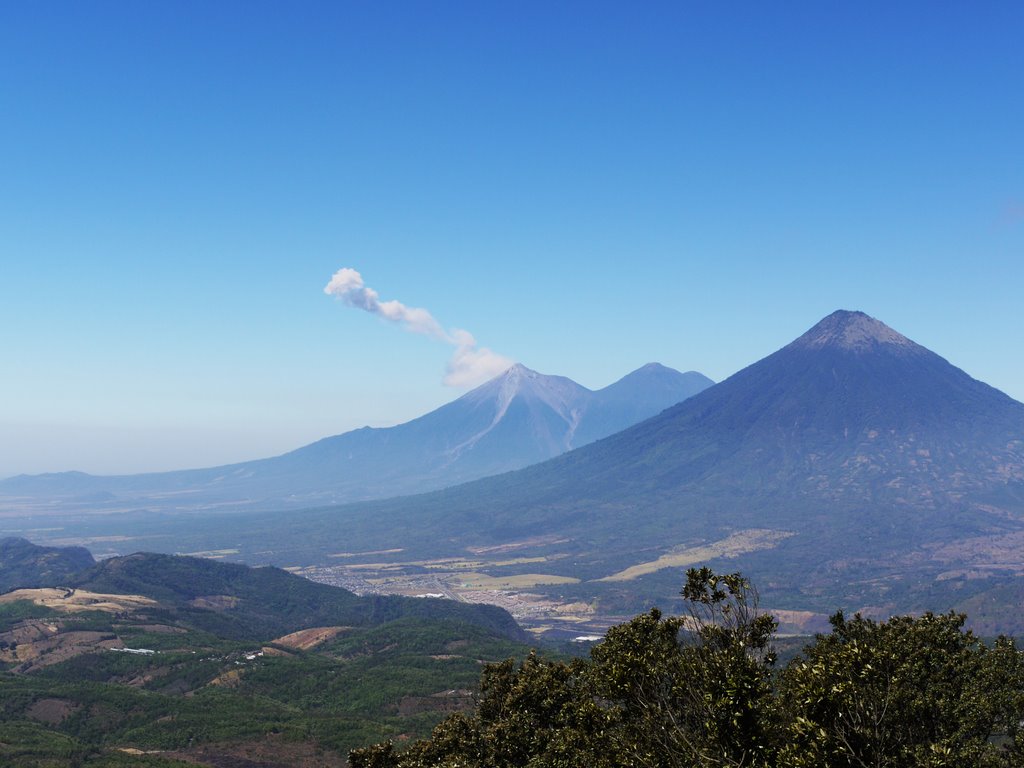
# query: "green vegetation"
(223, 680)
(16, 610)
(215, 675)
(702, 690)
(232, 600)
(373, 683)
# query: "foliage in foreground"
(702, 690)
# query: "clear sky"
(584, 187)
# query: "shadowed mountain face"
(519, 418)
(849, 414)
(24, 564)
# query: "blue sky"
(585, 187)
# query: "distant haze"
(34, 448)
(516, 419)
(106, 450)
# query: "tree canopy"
(702, 689)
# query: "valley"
(534, 599)
(545, 616)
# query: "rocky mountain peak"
(853, 331)
(653, 368)
(520, 371)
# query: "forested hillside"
(162, 661)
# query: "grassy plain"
(474, 580)
(738, 543)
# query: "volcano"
(852, 468)
(519, 418)
(851, 418)
(853, 464)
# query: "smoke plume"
(469, 365)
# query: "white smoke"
(348, 285)
(469, 365)
(472, 364)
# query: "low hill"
(24, 564)
(235, 600)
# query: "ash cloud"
(469, 365)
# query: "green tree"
(907, 692)
(537, 713)
(694, 690)
(700, 691)
(659, 691)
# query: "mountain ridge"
(880, 467)
(856, 331)
(516, 419)
(851, 467)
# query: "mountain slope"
(850, 412)
(230, 599)
(635, 397)
(519, 418)
(850, 468)
(851, 459)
